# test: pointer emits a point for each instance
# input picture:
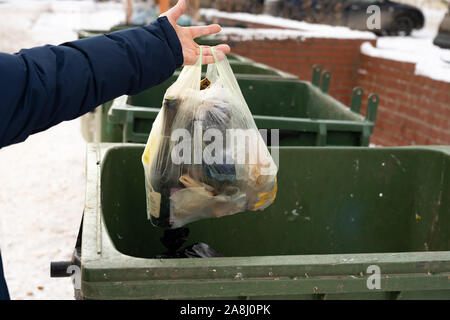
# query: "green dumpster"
(302, 112)
(341, 216)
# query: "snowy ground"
(43, 179)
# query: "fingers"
(175, 12)
(220, 55)
(207, 59)
(220, 50)
(200, 31)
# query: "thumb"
(175, 12)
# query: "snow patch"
(307, 30)
(43, 179)
(430, 61)
(244, 34)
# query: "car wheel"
(403, 26)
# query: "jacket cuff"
(172, 40)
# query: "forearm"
(43, 86)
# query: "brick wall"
(297, 56)
(413, 109)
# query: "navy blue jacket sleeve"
(40, 87)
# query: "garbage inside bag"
(173, 239)
(205, 157)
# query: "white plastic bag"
(205, 157)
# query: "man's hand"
(191, 50)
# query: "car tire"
(403, 26)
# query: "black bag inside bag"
(173, 240)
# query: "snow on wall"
(431, 61)
(297, 28)
(244, 34)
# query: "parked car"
(443, 37)
(253, 6)
(396, 18)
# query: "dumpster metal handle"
(355, 104)
(372, 107)
(325, 82)
(60, 269)
(317, 71)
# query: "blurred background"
(406, 61)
